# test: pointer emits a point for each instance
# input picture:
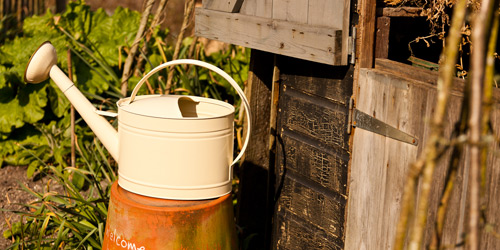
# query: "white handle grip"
(216, 70)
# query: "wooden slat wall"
(223, 5)
(258, 8)
(312, 155)
(291, 10)
(404, 97)
(325, 13)
(329, 13)
(315, 30)
(315, 43)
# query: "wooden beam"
(366, 33)
(223, 5)
(252, 210)
(313, 43)
(382, 37)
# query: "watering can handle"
(216, 70)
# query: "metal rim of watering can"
(216, 70)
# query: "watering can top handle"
(216, 70)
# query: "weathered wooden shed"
(319, 172)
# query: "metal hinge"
(364, 121)
(352, 45)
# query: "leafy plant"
(67, 218)
(29, 111)
(35, 118)
(98, 43)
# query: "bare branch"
(188, 10)
(133, 50)
(480, 35)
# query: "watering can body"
(185, 158)
(166, 146)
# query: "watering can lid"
(176, 107)
(159, 106)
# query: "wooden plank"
(322, 209)
(290, 10)
(347, 27)
(299, 235)
(366, 33)
(259, 8)
(325, 166)
(454, 224)
(336, 82)
(223, 5)
(319, 214)
(413, 73)
(455, 213)
(316, 118)
(373, 190)
(326, 13)
(416, 75)
(401, 111)
(382, 37)
(252, 211)
(318, 44)
(490, 236)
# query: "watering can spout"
(42, 65)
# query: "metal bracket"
(352, 45)
(364, 121)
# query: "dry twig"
(157, 20)
(480, 36)
(188, 11)
(72, 114)
(134, 49)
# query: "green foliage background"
(35, 118)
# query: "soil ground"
(11, 194)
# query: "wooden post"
(366, 29)
(382, 37)
(252, 209)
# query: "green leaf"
(78, 180)
(26, 106)
(59, 104)
(110, 33)
(14, 230)
(31, 169)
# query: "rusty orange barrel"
(140, 223)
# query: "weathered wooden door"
(404, 97)
(312, 155)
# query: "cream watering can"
(166, 146)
